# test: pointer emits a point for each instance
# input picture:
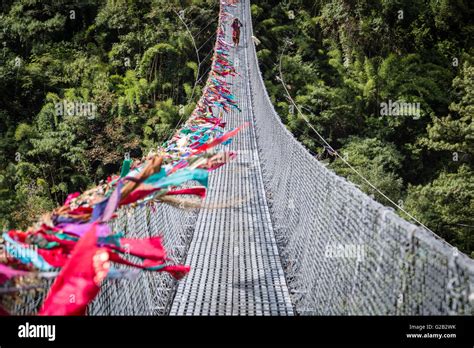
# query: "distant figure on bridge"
(236, 25)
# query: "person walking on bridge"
(236, 25)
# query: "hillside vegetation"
(84, 84)
(345, 62)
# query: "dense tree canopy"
(83, 84)
(343, 59)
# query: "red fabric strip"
(140, 192)
(219, 140)
(78, 282)
(147, 248)
(198, 191)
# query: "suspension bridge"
(275, 250)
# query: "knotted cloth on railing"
(343, 252)
(84, 236)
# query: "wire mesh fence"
(147, 293)
(150, 293)
(343, 252)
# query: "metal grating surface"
(234, 259)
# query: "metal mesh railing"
(148, 293)
(343, 252)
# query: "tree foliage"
(134, 62)
(344, 59)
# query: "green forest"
(343, 59)
(135, 69)
(130, 68)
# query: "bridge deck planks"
(235, 265)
